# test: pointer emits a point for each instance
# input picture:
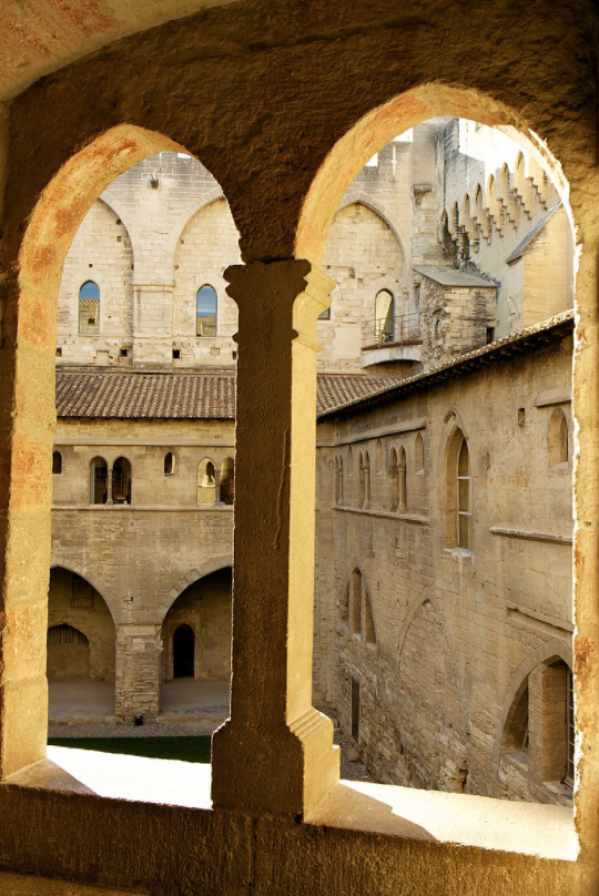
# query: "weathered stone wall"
(206, 607)
(84, 609)
(135, 554)
(455, 320)
(364, 257)
(454, 627)
(495, 193)
(101, 252)
(208, 244)
(334, 84)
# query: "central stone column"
(275, 754)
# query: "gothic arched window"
(206, 311)
(89, 309)
(57, 463)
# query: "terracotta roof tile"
(110, 394)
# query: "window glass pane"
(465, 530)
(463, 460)
(464, 494)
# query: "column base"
(280, 772)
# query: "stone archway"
(81, 648)
(196, 657)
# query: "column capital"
(293, 290)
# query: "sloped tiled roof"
(547, 332)
(447, 276)
(532, 235)
(110, 394)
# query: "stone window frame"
(558, 435)
(226, 486)
(93, 479)
(464, 496)
(206, 483)
(121, 498)
(532, 744)
(199, 317)
(97, 331)
(364, 480)
(402, 480)
(419, 454)
(339, 480)
(173, 463)
(454, 442)
(394, 477)
(355, 601)
(356, 609)
(384, 324)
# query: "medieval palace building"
(443, 585)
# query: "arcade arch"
(204, 607)
(459, 465)
(81, 647)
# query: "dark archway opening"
(183, 652)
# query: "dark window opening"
(98, 481)
(227, 481)
(355, 709)
(121, 481)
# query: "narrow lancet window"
(89, 309)
(206, 311)
(56, 463)
(121, 481)
(384, 317)
(464, 497)
(227, 481)
(98, 481)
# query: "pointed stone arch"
(431, 706)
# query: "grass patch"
(187, 749)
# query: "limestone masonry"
(443, 588)
(299, 357)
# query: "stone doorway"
(183, 652)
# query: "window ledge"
(385, 514)
(149, 508)
(527, 828)
(460, 554)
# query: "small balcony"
(391, 339)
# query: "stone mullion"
(109, 499)
(275, 754)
